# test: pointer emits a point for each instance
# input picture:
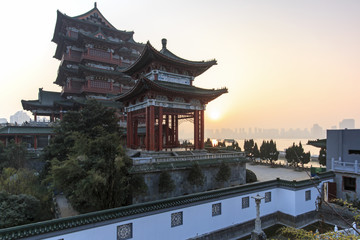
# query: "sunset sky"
(287, 64)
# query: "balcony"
(70, 90)
(343, 166)
(101, 56)
(72, 56)
(100, 87)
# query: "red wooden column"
(129, 130)
(151, 128)
(35, 117)
(196, 129)
(202, 130)
(172, 136)
(35, 142)
(147, 145)
(160, 137)
(135, 130)
(176, 129)
(61, 113)
(166, 130)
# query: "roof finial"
(95, 5)
(164, 41)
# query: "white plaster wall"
(198, 220)
(303, 206)
(285, 201)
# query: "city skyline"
(286, 64)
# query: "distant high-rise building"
(317, 131)
(3, 120)
(347, 123)
(19, 117)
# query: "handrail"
(340, 165)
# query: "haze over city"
(287, 64)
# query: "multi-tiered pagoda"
(153, 89)
(92, 54)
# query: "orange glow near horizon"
(214, 142)
(278, 59)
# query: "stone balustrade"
(345, 166)
(156, 159)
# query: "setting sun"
(214, 114)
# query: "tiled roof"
(145, 84)
(10, 130)
(150, 54)
(320, 143)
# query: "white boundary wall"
(198, 219)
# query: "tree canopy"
(224, 172)
(249, 147)
(322, 156)
(87, 161)
(268, 151)
(13, 155)
(295, 155)
(18, 209)
(166, 184)
(196, 176)
(23, 198)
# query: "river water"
(282, 144)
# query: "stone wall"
(183, 187)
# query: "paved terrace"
(263, 172)
(266, 173)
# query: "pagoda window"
(161, 97)
(195, 102)
(179, 99)
(99, 53)
(100, 36)
(73, 34)
(99, 84)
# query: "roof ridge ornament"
(95, 5)
(164, 41)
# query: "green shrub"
(166, 184)
(250, 176)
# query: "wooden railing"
(101, 87)
(99, 55)
(72, 56)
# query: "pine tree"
(322, 156)
(295, 155)
(224, 172)
(166, 184)
(256, 151)
(196, 176)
